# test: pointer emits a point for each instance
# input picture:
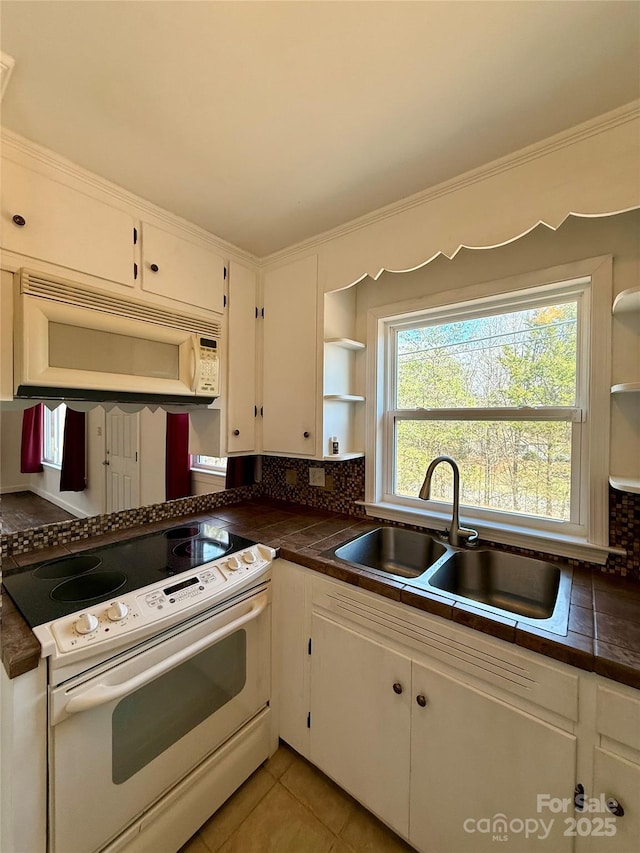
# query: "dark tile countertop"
(604, 617)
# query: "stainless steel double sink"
(520, 588)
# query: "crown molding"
(565, 139)
(14, 142)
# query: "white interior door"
(122, 460)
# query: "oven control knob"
(86, 623)
(233, 563)
(249, 557)
(117, 611)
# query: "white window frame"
(53, 433)
(585, 535)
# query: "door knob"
(19, 220)
(106, 462)
(397, 688)
(306, 434)
(154, 267)
(236, 432)
(421, 700)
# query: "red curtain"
(31, 448)
(240, 471)
(178, 467)
(73, 475)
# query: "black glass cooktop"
(55, 588)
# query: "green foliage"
(526, 358)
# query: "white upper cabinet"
(290, 358)
(45, 220)
(180, 269)
(241, 387)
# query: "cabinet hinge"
(225, 273)
(135, 271)
(224, 300)
(261, 412)
(256, 312)
(262, 312)
(136, 455)
(255, 411)
(135, 236)
(309, 647)
(309, 720)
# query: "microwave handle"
(100, 694)
(195, 364)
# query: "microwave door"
(66, 346)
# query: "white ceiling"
(269, 122)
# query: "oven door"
(122, 738)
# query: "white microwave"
(72, 341)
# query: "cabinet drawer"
(493, 662)
(618, 717)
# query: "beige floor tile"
(280, 761)
(366, 834)
(228, 818)
(194, 845)
(280, 824)
(329, 803)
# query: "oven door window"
(146, 723)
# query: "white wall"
(153, 433)
(11, 479)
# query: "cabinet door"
(64, 226)
(599, 831)
(289, 359)
(474, 760)
(241, 387)
(181, 270)
(360, 718)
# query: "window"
(215, 464)
(514, 387)
(53, 435)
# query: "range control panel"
(111, 620)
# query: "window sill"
(545, 542)
(53, 465)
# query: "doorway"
(122, 460)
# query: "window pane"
(523, 358)
(219, 462)
(510, 466)
(54, 434)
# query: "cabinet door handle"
(397, 688)
(306, 434)
(154, 267)
(421, 700)
(236, 432)
(19, 220)
(614, 806)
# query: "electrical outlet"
(316, 477)
(290, 477)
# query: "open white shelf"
(344, 398)
(626, 484)
(341, 457)
(627, 301)
(625, 388)
(346, 343)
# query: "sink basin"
(522, 588)
(393, 551)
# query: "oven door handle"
(100, 694)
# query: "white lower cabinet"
(478, 765)
(360, 718)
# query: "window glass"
(213, 463)
(53, 434)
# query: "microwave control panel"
(209, 381)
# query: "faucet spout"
(457, 534)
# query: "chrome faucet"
(457, 535)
